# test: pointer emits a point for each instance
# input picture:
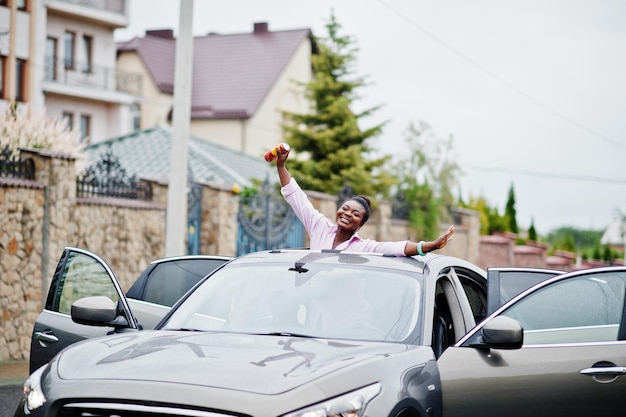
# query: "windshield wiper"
(287, 334)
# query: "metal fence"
(267, 222)
(107, 178)
(15, 167)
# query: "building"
(241, 83)
(615, 235)
(59, 55)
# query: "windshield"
(318, 300)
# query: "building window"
(70, 41)
(20, 4)
(85, 128)
(88, 53)
(51, 59)
(135, 112)
(20, 80)
(68, 118)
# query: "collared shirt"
(322, 230)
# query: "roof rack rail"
(293, 250)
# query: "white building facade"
(59, 55)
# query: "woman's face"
(350, 215)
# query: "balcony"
(87, 80)
(112, 13)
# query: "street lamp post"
(176, 216)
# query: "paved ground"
(9, 399)
(12, 376)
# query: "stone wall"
(21, 249)
(218, 224)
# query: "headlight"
(351, 404)
(33, 394)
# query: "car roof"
(189, 257)
(369, 259)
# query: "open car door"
(557, 349)
(79, 274)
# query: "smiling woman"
(351, 216)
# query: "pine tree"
(510, 212)
(329, 144)
(532, 233)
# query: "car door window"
(443, 326)
(476, 292)
(506, 283)
(588, 308)
(169, 281)
(453, 316)
(82, 277)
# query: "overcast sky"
(533, 92)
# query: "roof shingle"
(147, 154)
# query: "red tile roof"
(232, 74)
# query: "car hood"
(252, 363)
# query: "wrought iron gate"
(194, 215)
(267, 222)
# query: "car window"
(322, 301)
(169, 281)
(443, 325)
(82, 277)
(506, 283)
(475, 291)
(580, 309)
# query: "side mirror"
(97, 311)
(502, 333)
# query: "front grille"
(103, 409)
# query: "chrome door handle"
(604, 371)
(45, 337)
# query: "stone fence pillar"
(56, 173)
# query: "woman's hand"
(282, 157)
(412, 248)
(443, 240)
(283, 174)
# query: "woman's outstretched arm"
(413, 248)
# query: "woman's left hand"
(443, 240)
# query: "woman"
(352, 214)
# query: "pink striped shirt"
(322, 230)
